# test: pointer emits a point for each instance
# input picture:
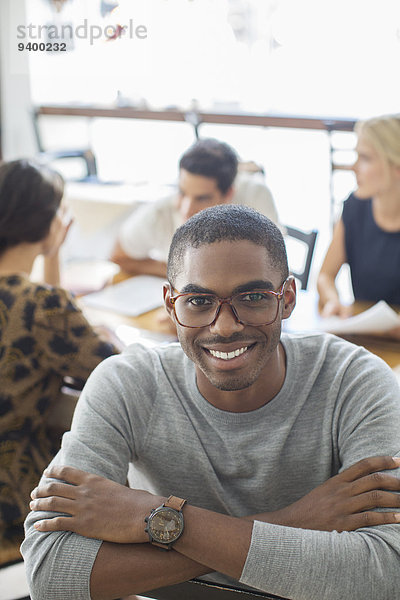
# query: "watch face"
(165, 525)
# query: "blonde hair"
(383, 133)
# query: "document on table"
(378, 318)
(131, 297)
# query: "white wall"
(17, 130)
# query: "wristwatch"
(165, 523)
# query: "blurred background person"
(208, 175)
(43, 335)
(367, 236)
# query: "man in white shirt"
(207, 177)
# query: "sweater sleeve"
(309, 565)
(148, 230)
(364, 564)
(59, 564)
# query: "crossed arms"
(296, 552)
(126, 563)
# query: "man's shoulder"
(139, 367)
(161, 206)
(328, 348)
(149, 228)
(312, 338)
(154, 210)
(145, 358)
(250, 190)
(325, 363)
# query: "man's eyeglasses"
(255, 307)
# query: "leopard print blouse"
(43, 338)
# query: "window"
(335, 57)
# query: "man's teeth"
(228, 355)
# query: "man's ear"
(289, 297)
(167, 302)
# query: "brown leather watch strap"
(175, 503)
(159, 545)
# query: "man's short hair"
(227, 222)
(214, 159)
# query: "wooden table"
(9, 553)
(383, 346)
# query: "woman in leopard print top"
(43, 335)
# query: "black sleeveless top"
(372, 253)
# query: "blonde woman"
(367, 236)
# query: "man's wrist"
(165, 523)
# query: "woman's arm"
(51, 274)
(329, 302)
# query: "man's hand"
(346, 501)
(97, 507)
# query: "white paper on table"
(379, 317)
(132, 297)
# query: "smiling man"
(266, 458)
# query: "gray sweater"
(338, 404)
